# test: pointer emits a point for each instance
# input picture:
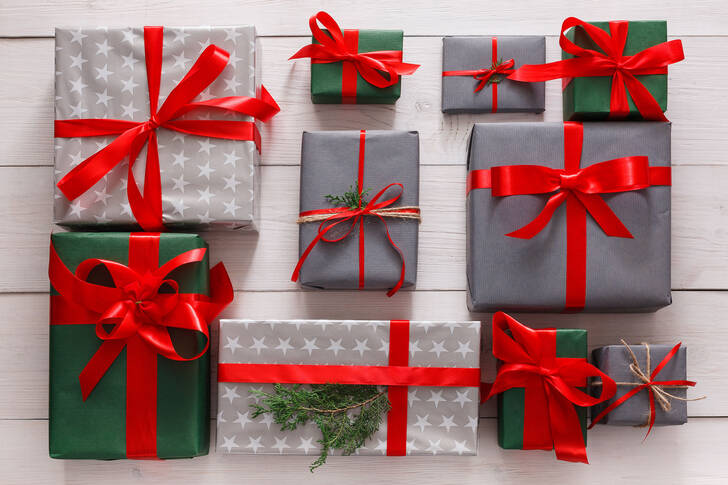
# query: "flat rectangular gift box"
(435, 419)
(330, 164)
(471, 53)
(618, 274)
(207, 183)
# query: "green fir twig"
(496, 78)
(351, 198)
(332, 407)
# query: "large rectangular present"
(427, 372)
(198, 155)
(569, 217)
(129, 367)
(361, 189)
(475, 70)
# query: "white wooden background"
(260, 265)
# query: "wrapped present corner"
(354, 66)
(430, 370)
(358, 225)
(475, 70)
(611, 70)
(129, 367)
(541, 383)
(158, 127)
(569, 217)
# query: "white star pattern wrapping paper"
(441, 420)
(207, 183)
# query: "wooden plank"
(264, 262)
(676, 454)
(420, 17)
(690, 319)
(26, 104)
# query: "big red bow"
(485, 75)
(133, 135)
(379, 68)
(529, 361)
(611, 62)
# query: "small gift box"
(569, 216)
(541, 383)
(423, 378)
(475, 70)
(611, 70)
(651, 385)
(129, 367)
(358, 224)
(169, 109)
(354, 66)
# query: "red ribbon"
(397, 376)
(647, 385)
(580, 189)
(485, 75)
(133, 135)
(140, 316)
(611, 62)
(551, 383)
(356, 216)
(379, 68)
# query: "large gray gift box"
(329, 165)
(206, 182)
(440, 420)
(466, 53)
(614, 360)
(507, 273)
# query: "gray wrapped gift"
(617, 273)
(432, 419)
(330, 165)
(615, 360)
(206, 182)
(463, 55)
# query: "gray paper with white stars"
(206, 182)
(440, 420)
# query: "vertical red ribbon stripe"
(494, 56)
(349, 74)
(397, 418)
(360, 188)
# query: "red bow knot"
(485, 75)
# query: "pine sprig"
(332, 407)
(495, 79)
(351, 198)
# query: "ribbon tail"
(535, 226)
(98, 365)
(565, 429)
(603, 215)
(615, 405)
(646, 104)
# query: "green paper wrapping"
(96, 428)
(511, 403)
(587, 98)
(326, 78)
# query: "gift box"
(569, 217)
(541, 384)
(198, 155)
(475, 69)
(629, 365)
(129, 367)
(354, 66)
(429, 371)
(369, 242)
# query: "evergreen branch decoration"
(351, 198)
(332, 408)
(495, 79)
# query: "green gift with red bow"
(129, 338)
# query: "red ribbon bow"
(141, 307)
(529, 361)
(611, 62)
(133, 135)
(379, 68)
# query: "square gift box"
(205, 182)
(569, 216)
(367, 162)
(427, 416)
(470, 65)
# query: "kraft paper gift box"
(464, 56)
(205, 182)
(330, 165)
(144, 404)
(527, 271)
(424, 420)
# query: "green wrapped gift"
(129, 367)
